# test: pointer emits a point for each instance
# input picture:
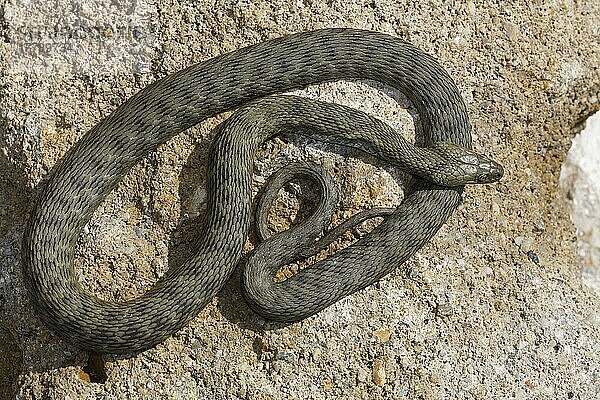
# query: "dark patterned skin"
(93, 167)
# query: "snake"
(246, 81)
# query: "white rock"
(580, 178)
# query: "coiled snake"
(92, 168)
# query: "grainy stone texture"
(493, 307)
(580, 180)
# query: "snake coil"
(95, 164)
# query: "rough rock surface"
(580, 180)
(493, 307)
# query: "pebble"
(471, 8)
(362, 374)
(540, 226)
(286, 355)
(495, 208)
(379, 376)
(512, 31)
(533, 257)
(383, 335)
(444, 309)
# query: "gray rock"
(472, 315)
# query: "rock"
(379, 372)
(383, 335)
(579, 179)
(527, 329)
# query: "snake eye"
(483, 178)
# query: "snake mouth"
(493, 173)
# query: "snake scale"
(99, 160)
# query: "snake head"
(460, 166)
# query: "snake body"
(96, 163)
